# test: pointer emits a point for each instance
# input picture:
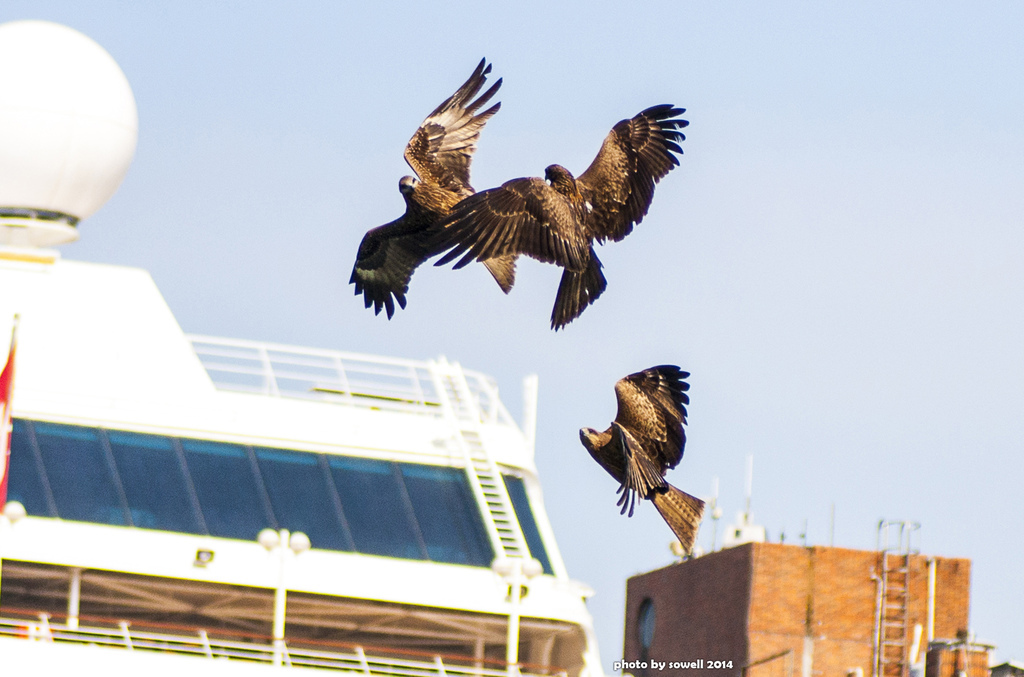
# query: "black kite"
(440, 153)
(644, 441)
(558, 219)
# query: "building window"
(645, 625)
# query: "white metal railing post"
(363, 663)
(512, 643)
(44, 628)
(515, 572)
(282, 540)
(126, 635)
(414, 375)
(280, 598)
(207, 649)
(343, 377)
(74, 597)
(268, 372)
(478, 655)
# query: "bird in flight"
(439, 153)
(644, 441)
(557, 219)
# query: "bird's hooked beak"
(407, 184)
(585, 435)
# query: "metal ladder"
(485, 478)
(893, 598)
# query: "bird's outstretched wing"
(522, 216)
(441, 149)
(652, 407)
(636, 154)
(384, 264)
(440, 153)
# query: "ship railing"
(337, 377)
(352, 659)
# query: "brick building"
(788, 610)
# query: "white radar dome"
(68, 129)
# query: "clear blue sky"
(838, 259)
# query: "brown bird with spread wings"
(644, 441)
(440, 153)
(557, 220)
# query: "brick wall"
(700, 610)
(819, 603)
(952, 596)
(794, 603)
(829, 594)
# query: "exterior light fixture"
(14, 511)
(515, 571)
(203, 557)
(281, 540)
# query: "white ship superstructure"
(398, 494)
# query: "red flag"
(6, 391)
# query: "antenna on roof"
(745, 531)
(749, 485)
(832, 526)
(715, 512)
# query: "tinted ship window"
(154, 484)
(80, 474)
(449, 522)
(25, 485)
(376, 508)
(227, 490)
(521, 503)
(194, 486)
(301, 497)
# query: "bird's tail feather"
(682, 512)
(503, 270)
(576, 291)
